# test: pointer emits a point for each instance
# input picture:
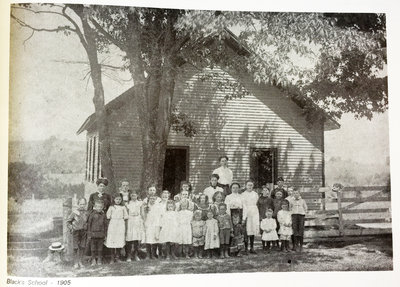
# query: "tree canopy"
(329, 64)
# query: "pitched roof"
(233, 42)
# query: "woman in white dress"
(251, 216)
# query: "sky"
(51, 97)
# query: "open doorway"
(176, 168)
(263, 166)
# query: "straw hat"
(56, 246)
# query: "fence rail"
(358, 210)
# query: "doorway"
(176, 168)
(263, 166)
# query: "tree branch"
(58, 29)
(107, 35)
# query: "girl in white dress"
(234, 202)
(135, 229)
(250, 215)
(169, 229)
(117, 214)
(211, 233)
(268, 226)
(285, 225)
(151, 215)
(184, 227)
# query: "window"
(93, 162)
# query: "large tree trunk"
(153, 94)
(98, 98)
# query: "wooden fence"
(348, 212)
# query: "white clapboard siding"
(263, 119)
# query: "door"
(176, 168)
(263, 166)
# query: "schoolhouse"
(264, 133)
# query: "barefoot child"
(225, 229)
(76, 223)
(198, 233)
(285, 225)
(211, 234)
(116, 214)
(135, 230)
(298, 208)
(169, 230)
(96, 231)
(184, 227)
(268, 226)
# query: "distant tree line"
(25, 180)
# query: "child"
(117, 214)
(268, 226)
(250, 215)
(213, 188)
(135, 230)
(124, 191)
(234, 203)
(211, 234)
(96, 231)
(169, 230)
(298, 208)
(218, 200)
(76, 223)
(150, 192)
(184, 227)
(203, 206)
(198, 225)
(264, 202)
(285, 225)
(151, 215)
(280, 181)
(237, 236)
(185, 196)
(277, 206)
(225, 229)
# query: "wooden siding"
(263, 119)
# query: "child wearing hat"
(76, 223)
(96, 231)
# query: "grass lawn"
(356, 255)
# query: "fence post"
(339, 202)
(67, 236)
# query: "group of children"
(204, 224)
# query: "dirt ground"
(358, 254)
